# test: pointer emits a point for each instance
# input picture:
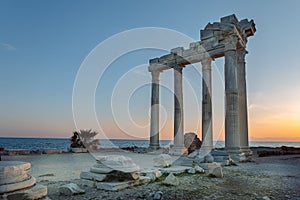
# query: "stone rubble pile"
(113, 173)
(15, 183)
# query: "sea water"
(64, 143)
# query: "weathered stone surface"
(171, 180)
(8, 179)
(92, 176)
(208, 159)
(175, 170)
(162, 160)
(86, 183)
(13, 168)
(215, 171)
(34, 193)
(184, 161)
(70, 189)
(206, 166)
(114, 186)
(17, 186)
(118, 163)
(101, 169)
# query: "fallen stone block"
(199, 169)
(174, 170)
(34, 193)
(215, 171)
(70, 189)
(17, 186)
(118, 163)
(115, 186)
(92, 176)
(171, 180)
(162, 160)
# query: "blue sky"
(43, 43)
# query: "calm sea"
(64, 144)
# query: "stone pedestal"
(16, 184)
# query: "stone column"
(154, 126)
(207, 132)
(232, 133)
(243, 108)
(178, 148)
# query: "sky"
(43, 45)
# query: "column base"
(240, 155)
(178, 151)
(153, 148)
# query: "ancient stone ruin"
(15, 183)
(228, 39)
(113, 173)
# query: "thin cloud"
(7, 47)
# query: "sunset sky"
(43, 44)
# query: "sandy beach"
(274, 177)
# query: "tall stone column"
(207, 131)
(178, 148)
(243, 108)
(232, 133)
(154, 126)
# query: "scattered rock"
(70, 189)
(198, 169)
(191, 171)
(158, 195)
(36, 192)
(192, 142)
(175, 170)
(215, 171)
(153, 174)
(52, 151)
(162, 160)
(92, 176)
(115, 186)
(171, 180)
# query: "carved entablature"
(216, 38)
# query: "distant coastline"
(64, 143)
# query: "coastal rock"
(118, 163)
(15, 152)
(34, 193)
(17, 186)
(78, 150)
(70, 189)
(52, 151)
(171, 180)
(215, 171)
(162, 160)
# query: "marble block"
(118, 163)
(17, 186)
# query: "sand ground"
(276, 177)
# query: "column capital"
(178, 68)
(241, 53)
(206, 63)
(231, 43)
(155, 75)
